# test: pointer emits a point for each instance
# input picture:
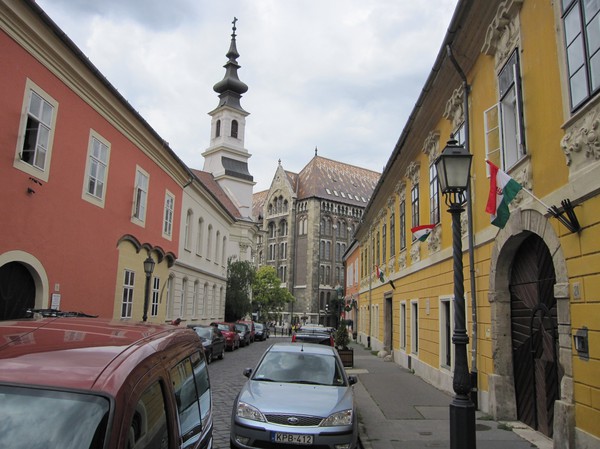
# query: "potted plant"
(342, 340)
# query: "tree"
(342, 339)
(240, 276)
(268, 295)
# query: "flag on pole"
(503, 190)
(422, 232)
(380, 274)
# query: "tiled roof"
(258, 201)
(332, 180)
(208, 181)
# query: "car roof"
(311, 348)
(82, 353)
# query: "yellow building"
(516, 82)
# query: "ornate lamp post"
(453, 168)
(148, 269)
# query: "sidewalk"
(400, 410)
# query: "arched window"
(224, 251)
(200, 236)
(209, 242)
(234, 128)
(218, 129)
(188, 229)
(217, 243)
(285, 206)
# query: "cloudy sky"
(339, 75)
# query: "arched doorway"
(17, 290)
(534, 333)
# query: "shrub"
(341, 336)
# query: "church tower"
(226, 158)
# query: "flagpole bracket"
(566, 215)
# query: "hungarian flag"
(380, 274)
(503, 190)
(422, 232)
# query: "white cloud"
(341, 75)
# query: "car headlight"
(343, 418)
(248, 412)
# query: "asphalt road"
(226, 380)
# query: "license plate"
(291, 438)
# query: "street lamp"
(340, 298)
(148, 269)
(453, 168)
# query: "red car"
(232, 337)
(93, 383)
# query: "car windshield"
(297, 367)
(203, 332)
(258, 327)
(223, 327)
(37, 418)
(241, 327)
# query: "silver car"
(299, 394)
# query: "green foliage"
(268, 295)
(240, 275)
(342, 339)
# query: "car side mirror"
(352, 380)
(247, 372)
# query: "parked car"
(212, 341)
(296, 395)
(312, 336)
(232, 338)
(261, 333)
(316, 328)
(252, 328)
(105, 385)
(244, 332)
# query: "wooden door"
(534, 335)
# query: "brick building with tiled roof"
(308, 220)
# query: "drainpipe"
(467, 88)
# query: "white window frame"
(403, 325)
(504, 122)
(199, 243)
(41, 172)
(446, 340)
(169, 214)
(414, 327)
(96, 169)
(155, 296)
(183, 298)
(128, 294)
(140, 196)
(187, 232)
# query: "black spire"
(230, 88)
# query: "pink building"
(88, 189)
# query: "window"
(140, 197)
(434, 196)
(189, 400)
(378, 250)
(187, 232)
(149, 421)
(182, 302)
(414, 334)
(392, 233)
(155, 296)
(195, 304)
(127, 300)
(200, 236)
(414, 202)
(36, 132)
(224, 251)
(168, 217)
(217, 244)
(218, 129)
(384, 243)
(402, 211)
(403, 325)
(504, 127)
(209, 242)
(169, 297)
(445, 333)
(96, 169)
(581, 23)
(234, 128)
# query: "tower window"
(218, 130)
(234, 128)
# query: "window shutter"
(491, 121)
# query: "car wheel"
(209, 357)
(222, 355)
